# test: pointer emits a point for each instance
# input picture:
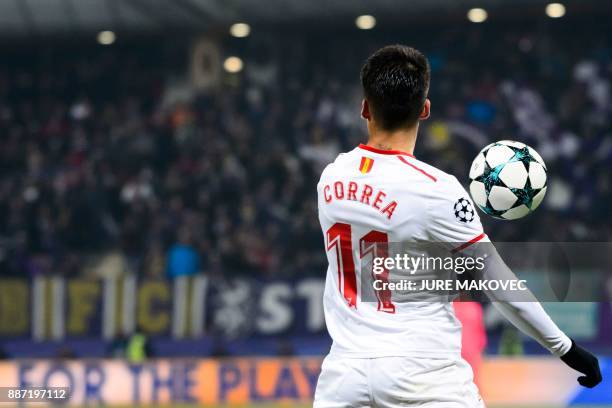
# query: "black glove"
(581, 360)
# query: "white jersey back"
(369, 195)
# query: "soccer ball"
(508, 180)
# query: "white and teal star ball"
(508, 180)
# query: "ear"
(365, 110)
(426, 110)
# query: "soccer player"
(386, 353)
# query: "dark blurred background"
(131, 148)
(158, 161)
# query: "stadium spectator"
(95, 160)
(183, 259)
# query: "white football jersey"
(369, 195)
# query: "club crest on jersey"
(366, 165)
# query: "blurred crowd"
(110, 163)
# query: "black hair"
(395, 81)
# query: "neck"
(403, 140)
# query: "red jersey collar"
(380, 151)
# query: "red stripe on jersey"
(417, 168)
(380, 151)
(470, 242)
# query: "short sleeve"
(452, 216)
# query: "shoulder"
(444, 189)
(413, 164)
(449, 208)
(440, 181)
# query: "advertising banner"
(194, 307)
(505, 382)
(55, 308)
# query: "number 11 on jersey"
(339, 238)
